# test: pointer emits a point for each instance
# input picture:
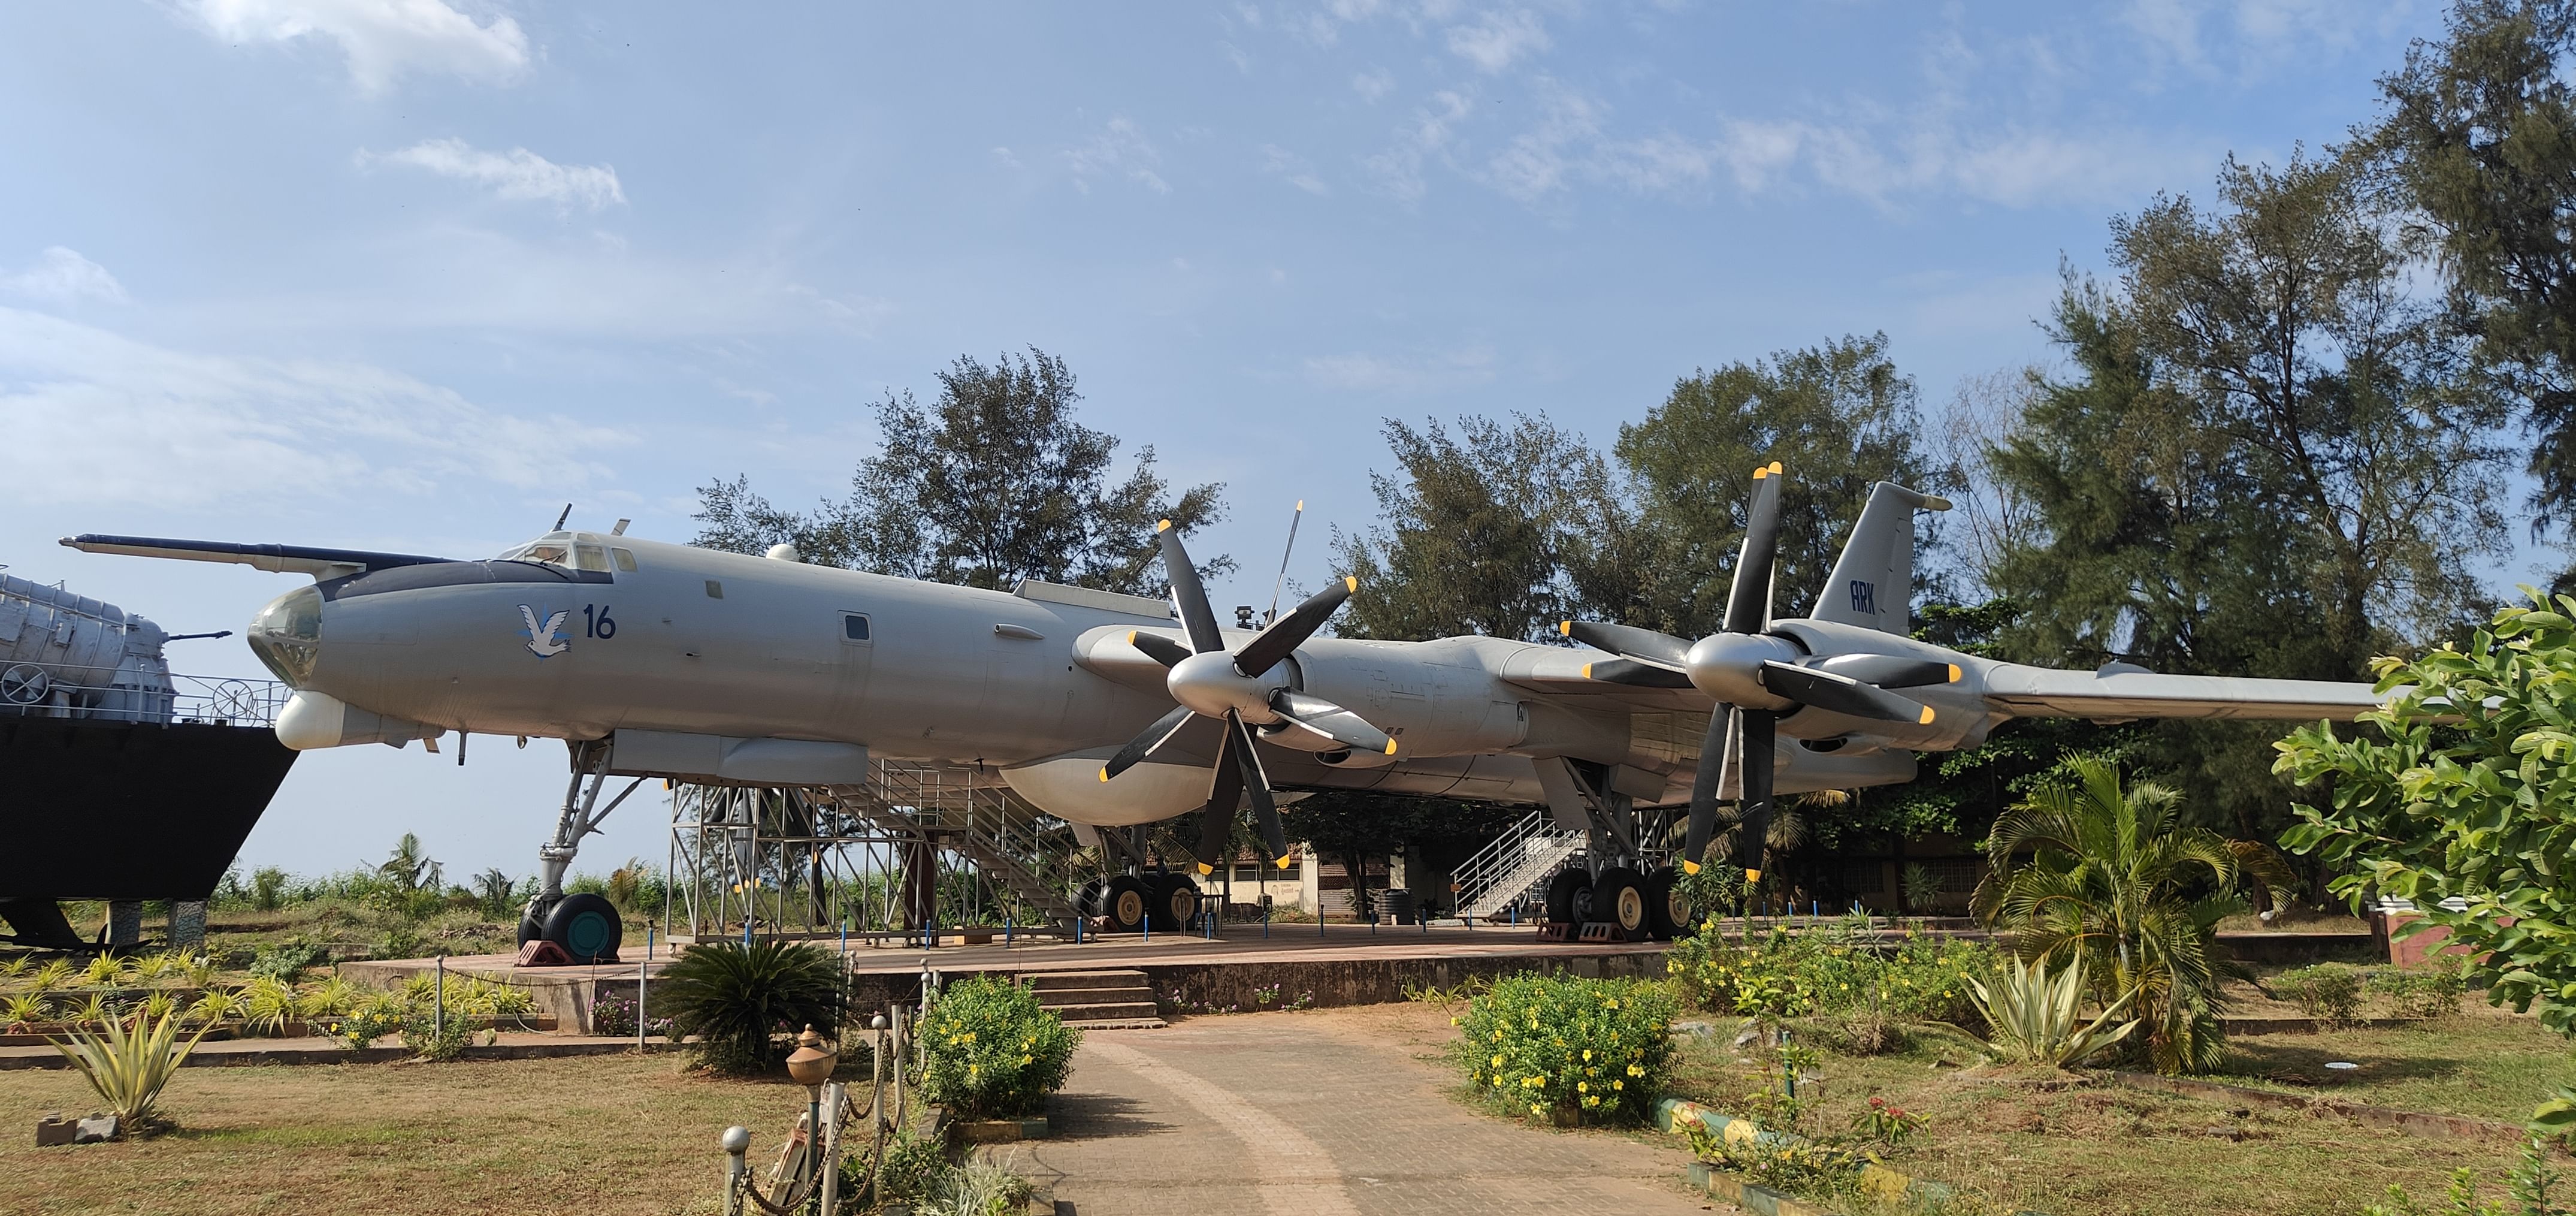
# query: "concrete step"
(1057, 981)
(1105, 1011)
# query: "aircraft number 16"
(596, 623)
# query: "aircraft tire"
(1086, 901)
(587, 928)
(1619, 897)
(1176, 903)
(1566, 902)
(1668, 904)
(532, 918)
(1125, 905)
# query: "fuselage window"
(854, 627)
(590, 557)
(625, 560)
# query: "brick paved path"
(1328, 1113)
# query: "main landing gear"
(584, 926)
(1141, 898)
(1624, 878)
(1653, 905)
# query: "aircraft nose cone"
(1728, 667)
(1209, 684)
(287, 635)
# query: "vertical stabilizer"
(1872, 583)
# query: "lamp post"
(809, 1065)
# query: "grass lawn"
(2069, 1145)
(2486, 1063)
(597, 1136)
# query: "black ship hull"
(129, 811)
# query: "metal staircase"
(975, 816)
(1507, 870)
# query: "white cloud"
(384, 40)
(1373, 85)
(1498, 39)
(62, 276)
(518, 174)
(1294, 169)
(1429, 136)
(197, 431)
(1120, 150)
(1419, 372)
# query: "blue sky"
(411, 274)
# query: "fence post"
(736, 1142)
(438, 1014)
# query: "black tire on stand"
(1619, 897)
(1565, 896)
(1125, 905)
(587, 928)
(1668, 904)
(1176, 903)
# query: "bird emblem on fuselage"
(545, 641)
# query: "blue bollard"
(1006, 930)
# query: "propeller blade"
(1321, 717)
(1748, 599)
(1630, 642)
(1143, 745)
(1216, 819)
(1759, 739)
(1704, 786)
(1289, 632)
(1161, 649)
(1630, 671)
(1891, 671)
(1256, 782)
(1187, 594)
(1842, 694)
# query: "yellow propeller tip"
(1281, 861)
(1131, 640)
(1926, 719)
(1753, 876)
(1104, 774)
(1206, 869)
(1587, 671)
(1760, 472)
(1565, 627)
(1390, 747)
(1350, 583)
(1775, 468)
(1164, 526)
(1301, 504)
(1690, 867)
(1955, 673)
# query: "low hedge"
(1591, 1051)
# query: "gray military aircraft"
(1111, 711)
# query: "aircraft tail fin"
(1872, 583)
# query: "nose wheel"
(585, 926)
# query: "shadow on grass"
(2300, 1062)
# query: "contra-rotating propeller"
(1244, 689)
(1755, 677)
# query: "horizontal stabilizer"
(2039, 691)
(283, 559)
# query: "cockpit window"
(590, 557)
(625, 559)
(548, 552)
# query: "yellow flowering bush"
(991, 1050)
(1835, 968)
(1599, 1050)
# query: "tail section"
(1872, 583)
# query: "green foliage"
(267, 1004)
(366, 1021)
(993, 483)
(1838, 970)
(288, 960)
(736, 998)
(1599, 1051)
(1888, 1124)
(2528, 1191)
(911, 1167)
(2328, 992)
(990, 1050)
(128, 1066)
(2113, 879)
(267, 888)
(2032, 1015)
(432, 1038)
(2420, 992)
(2464, 785)
(24, 1009)
(975, 1187)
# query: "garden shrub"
(2328, 992)
(990, 1050)
(1597, 1050)
(912, 1165)
(1837, 971)
(2419, 992)
(737, 998)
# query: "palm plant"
(735, 997)
(2032, 1015)
(128, 1069)
(410, 866)
(2116, 881)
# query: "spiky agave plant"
(127, 1066)
(216, 1006)
(16, 965)
(104, 971)
(51, 976)
(24, 1009)
(268, 1003)
(2032, 1015)
(735, 997)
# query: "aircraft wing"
(1569, 676)
(284, 559)
(2043, 692)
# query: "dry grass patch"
(600, 1136)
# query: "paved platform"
(1334, 1113)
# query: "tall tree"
(2480, 137)
(1838, 417)
(990, 484)
(1475, 528)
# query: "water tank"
(70, 656)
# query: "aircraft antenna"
(1282, 580)
(559, 520)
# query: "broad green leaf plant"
(2465, 789)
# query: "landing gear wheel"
(1668, 905)
(1125, 905)
(1619, 896)
(532, 919)
(1176, 903)
(587, 928)
(1569, 897)
(1086, 901)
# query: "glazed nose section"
(287, 635)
